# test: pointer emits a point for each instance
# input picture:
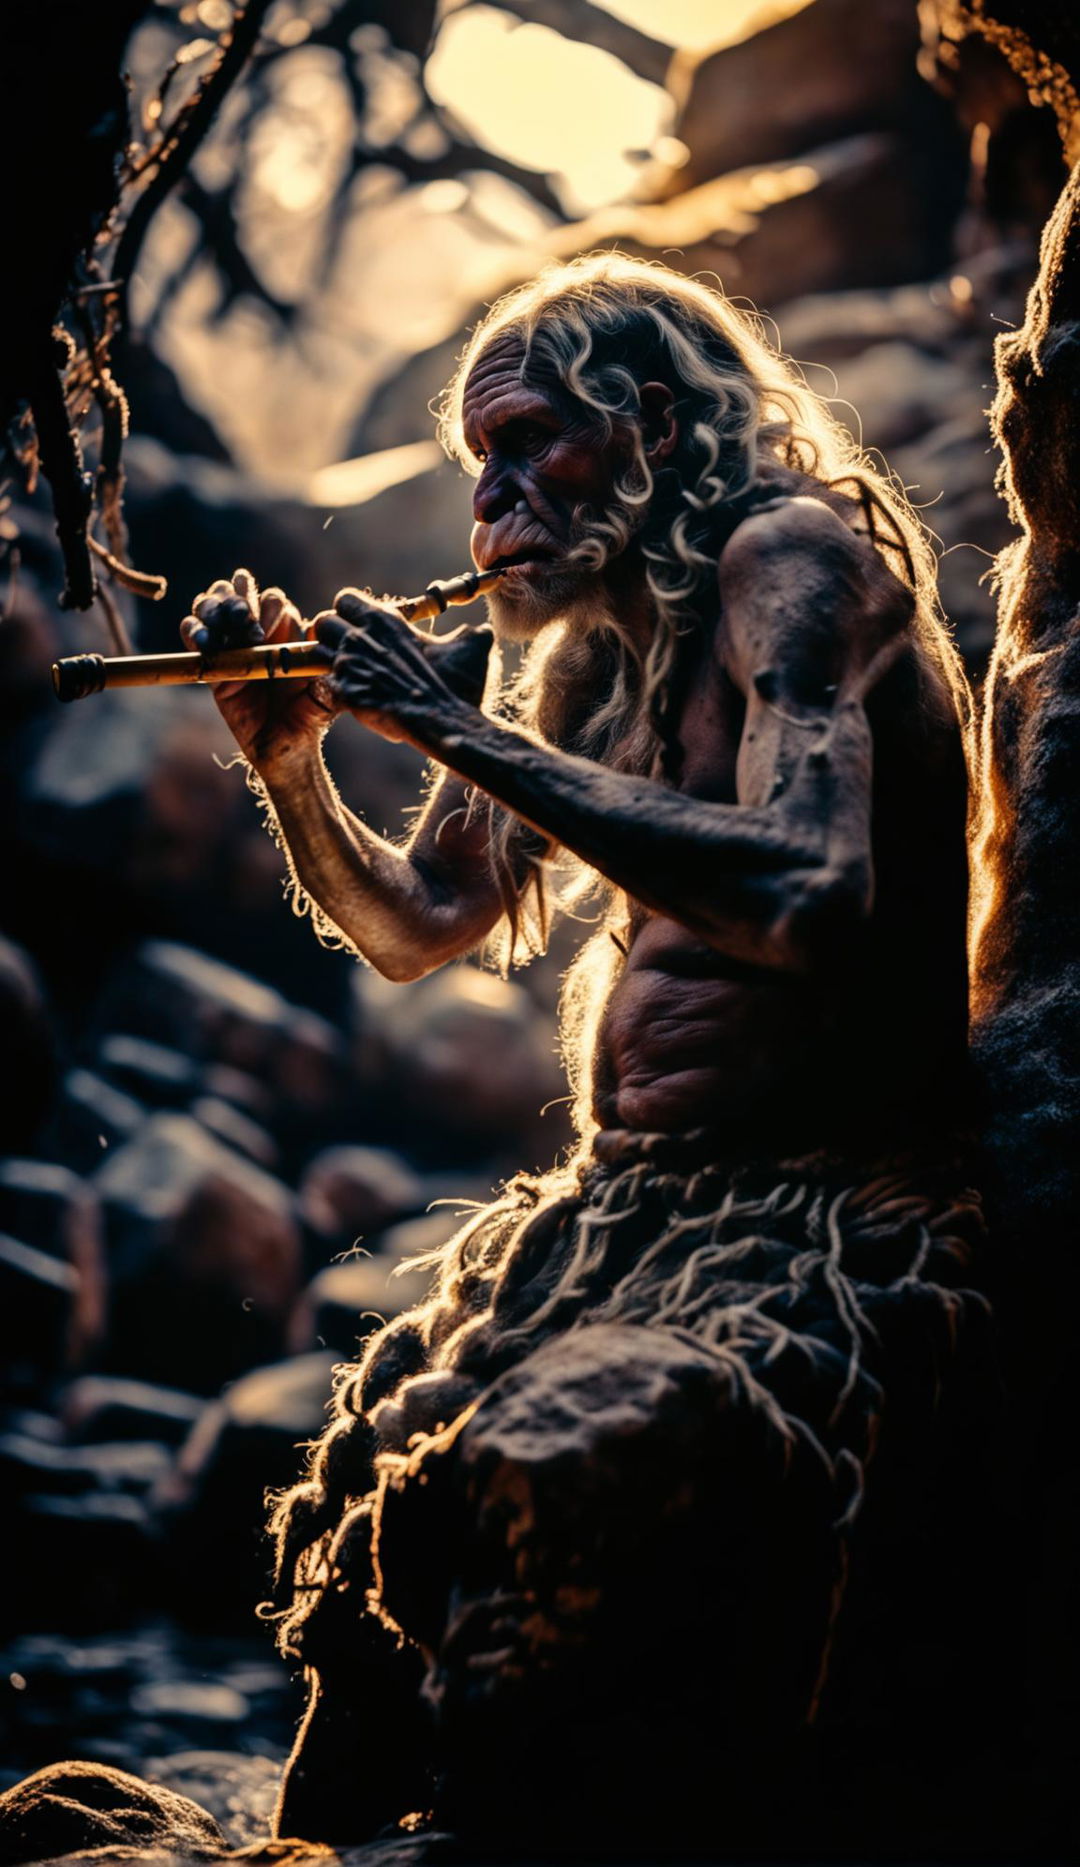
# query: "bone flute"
(76, 676)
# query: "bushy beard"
(519, 608)
(570, 590)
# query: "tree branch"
(180, 142)
(593, 25)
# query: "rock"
(38, 1308)
(826, 70)
(190, 1701)
(127, 1468)
(472, 1051)
(93, 1117)
(239, 1792)
(951, 471)
(102, 1545)
(345, 1302)
(28, 648)
(225, 1019)
(308, 1063)
(52, 1209)
(38, 1200)
(73, 1806)
(616, 1465)
(212, 1503)
(158, 1076)
(896, 392)
(28, 1079)
(206, 1257)
(236, 1129)
(105, 1407)
(187, 1001)
(240, 1090)
(349, 1194)
(831, 326)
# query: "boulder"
(106, 1407)
(39, 1299)
(613, 1467)
(43, 1203)
(345, 1302)
(827, 70)
(239, 1792)
(237, 1130)
(827, 327)
(893, 392)
(205, 1256)
(71, 1807)
(27, 1081)
(130, 1468)
(157, 1075)
(349, 1194)
(91, 1118)
(951, 470)
(472, 1063)
(85, 1560)
(842, 215)
(50, 1208)
(184, 999)
(212, 1503)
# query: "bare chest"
(708, 733)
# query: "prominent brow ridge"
(475, 430)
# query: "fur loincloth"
(824, 1290)
(746, 1395)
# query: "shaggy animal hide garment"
(682, 1451)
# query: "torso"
(687, 1040)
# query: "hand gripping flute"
(76, 676)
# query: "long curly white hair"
(603, 325)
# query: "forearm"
(376, 897)
(727, 872)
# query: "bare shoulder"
(797, 528)
(803, 594)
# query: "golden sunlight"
(697, 24)
(548, 103)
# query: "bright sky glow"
(545, 102)
(698, 23)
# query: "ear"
(659, 424)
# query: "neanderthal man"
(656, 1500)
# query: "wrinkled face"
(542, 461)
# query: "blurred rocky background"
(222, 1140)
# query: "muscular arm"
(812, 618)
(407, 908)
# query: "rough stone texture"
(612, 1468)
(1026, 932)
(77, 1806)
(238, 1792)
(1026, 983)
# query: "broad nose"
(495, 493)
